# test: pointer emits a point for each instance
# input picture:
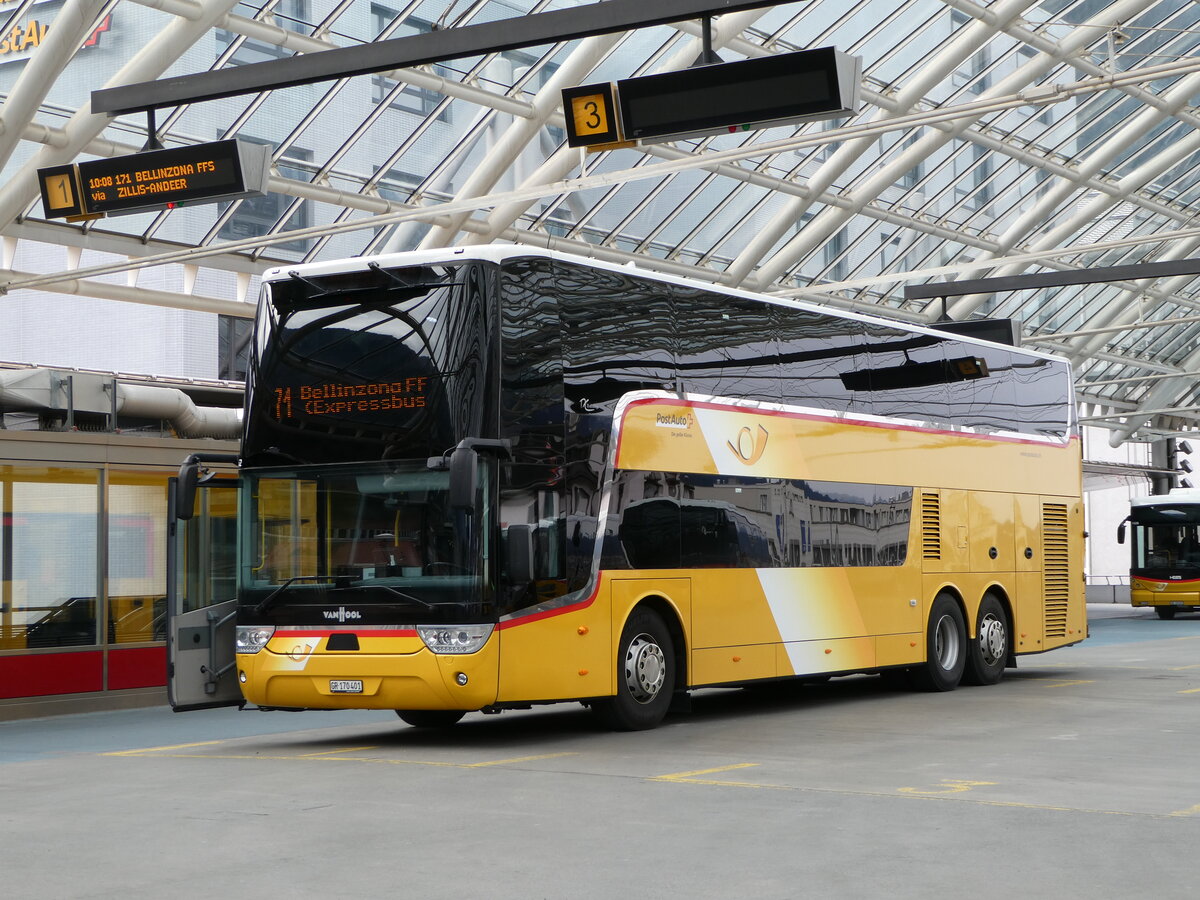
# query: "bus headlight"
(252, 638)
(455, 638)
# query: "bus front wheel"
(945, 647)
(987, 654)
(645, 675)
(1165, 612)
(430, 718)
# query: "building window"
(233, 347)
(257, 216)
(411, 99)
(292, 15)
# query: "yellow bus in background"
(1164, 570)
(483, 479)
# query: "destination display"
(338, 399)
(160, 179)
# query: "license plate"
(345, 687)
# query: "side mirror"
(1121, 532)
(185, 489)
(191, 473)
(518, 552)
(464, 478)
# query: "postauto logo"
(683, 419)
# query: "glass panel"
(137, 535)
(1168, 550)
(48, 562)
(665, 520)
(207, 550)
(381, 536)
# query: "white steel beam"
(827, 222)
(170, 299)
(1095, 162)
(71, 25)
(150, 62)
(559, 164)
(521, 132)
(935, 70)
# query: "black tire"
(1165, 612)
(645, 675)
(987, 652)
(431, 718)
(945, 647)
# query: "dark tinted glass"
(1043, 395)
(726, 346)
(706, 521)
(531, 377)
(815, 352)
(372, 365)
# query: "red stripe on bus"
(550, 613)
(362, 633)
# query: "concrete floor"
(1074, 777)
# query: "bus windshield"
(380, 536)
(1167, 540)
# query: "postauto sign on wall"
(21, 39)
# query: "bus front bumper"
(1163, 594)
(415, 680)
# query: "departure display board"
(735, 96)
(158, 179)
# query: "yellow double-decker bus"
(1164, 570)
(488, 478)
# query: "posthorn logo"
(341, 614)
(749, 447)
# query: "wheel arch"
(1001, 594)
(952, 591)
(670, 615)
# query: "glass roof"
(992, 139)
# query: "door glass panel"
(207, 550)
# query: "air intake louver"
(931, 526)
(1056, 568)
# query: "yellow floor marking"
(326, 752)
(327, 756)
(158, 749)
(691, 777)
(1184, 668)
(1190, 691)
(1187, 812)
(516, 759)
(949, 786)
(947, 796)
(1058, 684)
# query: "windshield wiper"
(392, 590)
(269, 600)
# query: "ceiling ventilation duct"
(70, 394)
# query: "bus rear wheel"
(645, 675)
(431, 718)
(987, 654)
(945, 647)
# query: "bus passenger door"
(201, 565)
